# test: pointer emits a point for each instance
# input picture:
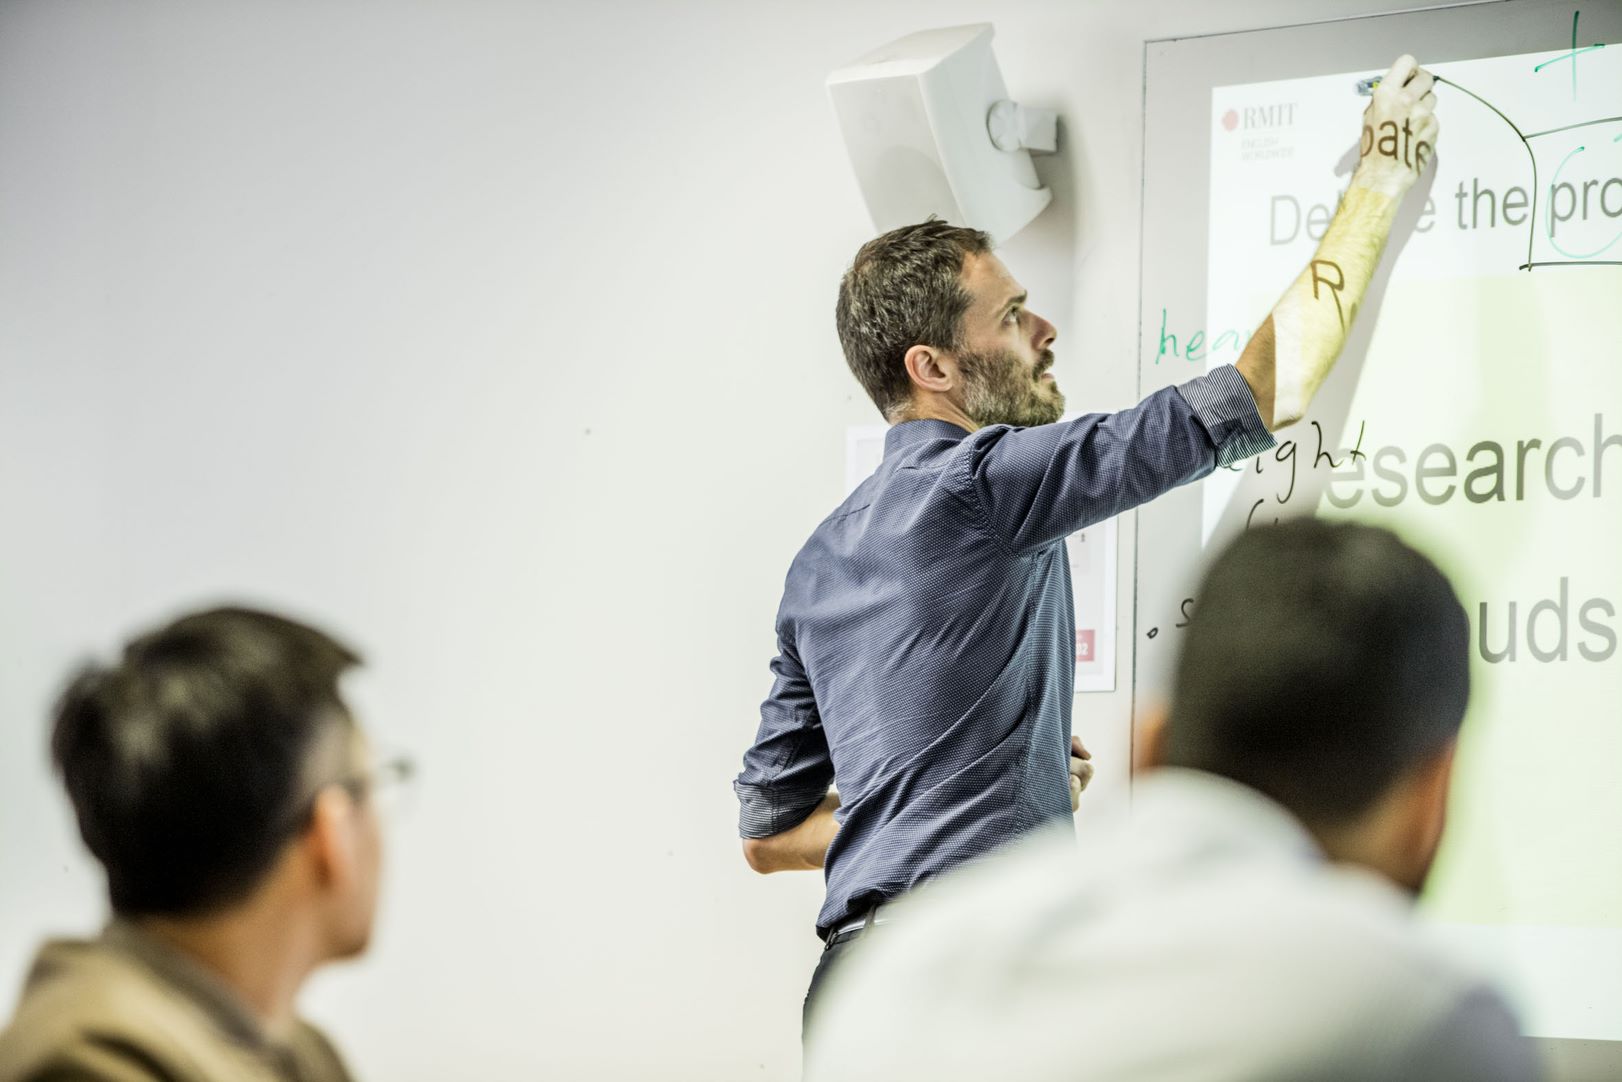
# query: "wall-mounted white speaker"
(930, 131)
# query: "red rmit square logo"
(1084, 645)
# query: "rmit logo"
(1261, 117)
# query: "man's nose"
(1045, 334)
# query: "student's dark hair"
(186, 761)
(904, 289)
(1323, 662)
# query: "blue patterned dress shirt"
(926, 639)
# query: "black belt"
(850, 929)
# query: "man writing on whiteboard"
(926, 634)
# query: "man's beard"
(999, 390)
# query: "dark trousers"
(832, 957)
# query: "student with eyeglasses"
(230, 796)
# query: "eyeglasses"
(388, 776)
(383, 782)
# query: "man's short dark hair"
(904, 289)
(187, 760)
(1323, 662)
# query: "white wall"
(499, 338)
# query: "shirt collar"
(1193, 803)
(911, 433)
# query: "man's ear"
(1428, 818)
(931, 369)
(330, 839)
(1149, 737)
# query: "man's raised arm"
(1290, 355)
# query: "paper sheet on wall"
(1092, 568)
(1092, 578)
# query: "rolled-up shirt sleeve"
(787, 771)
(1223, 403)
(1033, 486)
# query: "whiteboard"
(1481, 393)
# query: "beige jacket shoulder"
(124, 1008)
